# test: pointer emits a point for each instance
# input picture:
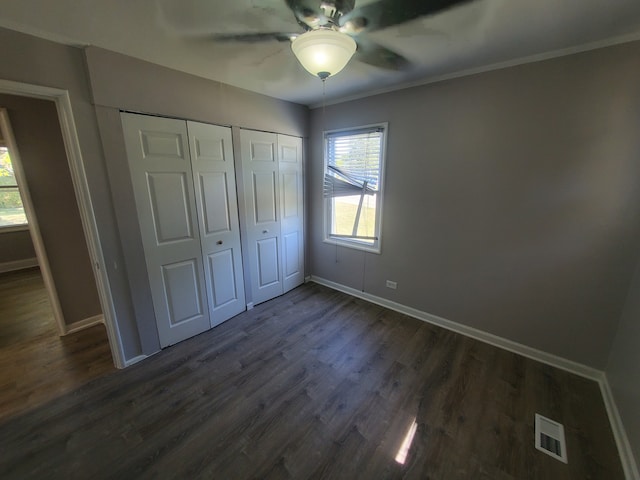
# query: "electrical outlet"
(391, 284)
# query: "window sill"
(353, 244)
(13, 228)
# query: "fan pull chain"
(324, 127)
(364, 270)
(324, 107)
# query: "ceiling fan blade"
(253, 37)
(316, 13)
(379, 56)
(387, 13)
(307, 13)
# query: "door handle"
(265, 231)
(219, 242)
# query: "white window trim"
(14, 228)
(326, 211)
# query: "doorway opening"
(37, 222)
(69, 135)
(38, 365)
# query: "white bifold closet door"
(183, 180)
(291, 210)
(274, 220)
(217, 202)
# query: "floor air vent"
(550, 438)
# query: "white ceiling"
(173, 33)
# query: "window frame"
(16, 227)
(354, 243)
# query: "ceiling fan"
(335, 30)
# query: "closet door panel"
(267, 253)
(215, 195)
(160, 168)
(181, 287)
(169, 198)
(262, 203)
(265, 198)
(290, 169)
(291, 258)
(222, 269)
(216, 200)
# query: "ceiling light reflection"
(403, 451)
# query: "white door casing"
(291, 210)
(217, 204)
(162, 178)
(262, 210)
(85, 205)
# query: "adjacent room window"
(353, 186)
(11, 209)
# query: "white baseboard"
(135, 360)
(510, 345)
(250, 306)
(619, 432)
(83, 324)
(624, 449)
(18, 264)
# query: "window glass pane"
(11, 210)
(344, 212)
(7, 177)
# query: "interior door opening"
(40, 362)
(66, 123)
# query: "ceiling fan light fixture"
(323, 52)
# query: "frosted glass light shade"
(323, 52)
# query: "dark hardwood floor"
(37, 365)
(316, 384)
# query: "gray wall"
(44, 161)
(512, 200)
(119, 83)
(31, 60)
(15, 246)
(126, 83)
(623, 370)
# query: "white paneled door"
(262, 203)
(160, 166)
(215, 183)
(273, 195)
(187, 211)
(291, 210)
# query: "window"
(11, 210)
(353, 186)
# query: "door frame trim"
(69, 133)
(32, 220)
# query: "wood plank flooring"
(36, 365)
(316, 384)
